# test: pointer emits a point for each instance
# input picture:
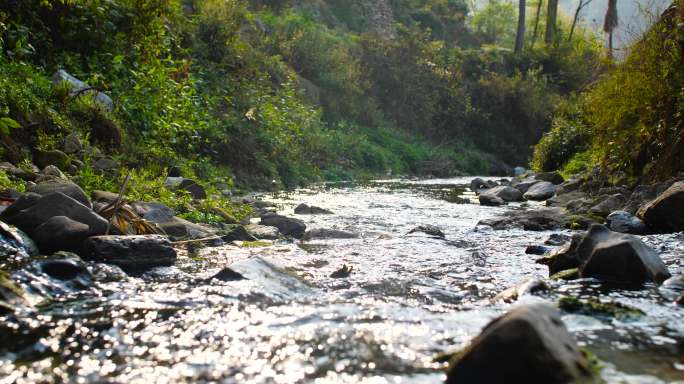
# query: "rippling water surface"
(408, 298)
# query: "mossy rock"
(10, 293)
(568, 274)
(597, 308)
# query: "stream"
(408, 298)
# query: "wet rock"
(643, 194)
(499, 195)
(11, 295)
(179, 183)
(237, 233)
(64, 269)
(552, 177)
(55, 157)
(152, 211)
(525, 184)
(132, 253)
(529, 344)
(325, 233)
(104, 196)
(477, 184)
(568, 274)
(227, 274)
(286, 225)
(536, 250)
(303, 209)
(178, 228)
(429, 230)
(680, 300)
(57, 204)
(593, 307)
(545, 219)
(540, 191)
(564, 258)
(675, 283)
(79, 87)
(16, 238)
(23, 202)
(610, 204)
(665, 214)
(66, 187)
(568, 186)
(624, 222)
(60, 233)
(528, 287)
(557, 239)
(72, 143)
(342, 273)
(263, 232)
(272, 280)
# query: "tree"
(610, 23)
(551, 16)
(580, 6)
(520, 33)
(536, 23)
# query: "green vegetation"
(597, 308)
(629, 121)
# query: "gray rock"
(665, 214)
(494, 196)
(57, 204)
(528, 287)
(104, 164)
(65, 269)
(525, 184)
(179, 183)
(178, 228)
(131, 253)
(23, 202)
(552, 177)
(55, 157)
(610, 204)
(324, 233)
(153, 211)
(564, 258)
(675, 283)
(427, 229)
(529, 344)
(62, 186)
(643, 194)
(568, 186)
(304, 209)
(50, 173)
(477, 184)
(557, 239)
(239, 233)
(72, 143)
(518, 171)
(264, 232)
(104, 196)
(625, 222)
(79, 87)
(536, 250)
(286, 225)
(60, 233)
(540, 191)
(534, 220)
(227, 274)
(17, 239)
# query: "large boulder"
(625, 222)
(131, 253)
(529, 344)
(60, 233)
(77, 86)
(66, 187)
(286, 225)
(665, 214)
(56, 204)
(540, 191)
(499, 195)
(552, 177)
(643, 194)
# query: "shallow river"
(408, 299)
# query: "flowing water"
(408, 299)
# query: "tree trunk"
(610, 45)
(574, 19)
(551, 15)
(536, 23)
(520, 34)
(610, 23)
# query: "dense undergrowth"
(630, 122)
(279, 93)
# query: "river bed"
(409, 298)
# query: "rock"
(104, 164)
(477, 184)
(529, 344)
(552, 177)
(501, 193)
(567, 274)
(51, 172)
(174, 172)
(680, 300)
(610, 204)
(64, 269)
(11, 169)
(518, 171)
(568, 186)
(643, 194)
(180, 229)
(286, 225)
(239, 233)
(131, 253)
(675, 283)
(104, 196)
(79, 87)
(154, 212)
(491, 200)
(23, 202)
(263, 232)
(593, 307)
(57, 204)
(325, 233)
(342, 273)
(72, 143)
(624, 222)
(271, 280)
(65, 187)
(182, 184)
(665, 214)
(540, 191)
(429, 230)
(55, 157)
(557, 239)
(16, 238)
(227, 274)
(624, 259)
(11, 295)
(60, 233)
(545, 219)
(303, 209)
(528, 287)
(564, 258)
(525, 184)
(536, 250)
